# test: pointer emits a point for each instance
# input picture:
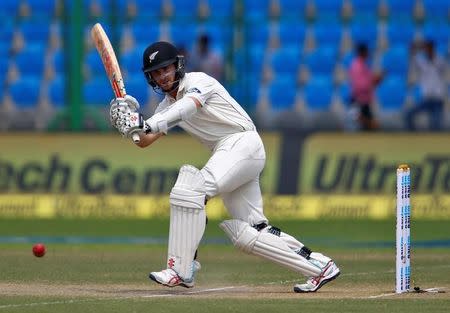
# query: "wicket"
(403, 230)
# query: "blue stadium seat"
(318, 93)
(145, 33)
(292, 32)
(11, 7)
(256, 10)
(30, 61)
(256, 59)
(365, 7)
(327, 33)
(391, 94)
(220, 9)
(281, 94)
(285, 60)
(42, 8)
(183, 34)
(257, 33)
(35, 32)
(436, 8)
(220, 36)
(364, 31)
(97, 91)
(58, 61)
(138, 87)
(57, 92)
(4, 65)
(400, 32)
(395, 61)
(146, 9)
(25, 91)
(328, 8)
(347, 59)
(185, 10)
(97, 8)
(322, 60)
(437, 30)
(345, 93)
(292, 9)
(400, 7)
(131, 61)
(94, 63)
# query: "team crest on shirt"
(193, 90)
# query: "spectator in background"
(431, 69)
(363, 82)
(204, 59)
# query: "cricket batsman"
(202, 107)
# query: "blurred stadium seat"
(400, 32)
(94, 65)
(138, 87)
(436, 8)
(31, 60)
(144, 33)
(35, 31)
(292, 32)
(144, 10)
(391, 94)
(41, 9)
(322, 60)
(256, 10)
(220, 10)
(328, 8)
(395, 61)
(97, 91)
(56, 91)
(25, 91)
(285, 60)
(281, 94)
(131, 61)
(327, 33)
(292, 9)
(185, 10)
(318, 93)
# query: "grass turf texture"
(112, 277)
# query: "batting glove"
(120, 107)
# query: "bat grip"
(136, 138)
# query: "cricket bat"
(109, 59)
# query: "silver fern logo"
(153, 56)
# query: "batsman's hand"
(120, 107)
(131, 123)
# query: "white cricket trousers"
(233, 173)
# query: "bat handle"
(136, 138)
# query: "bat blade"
(109, 59)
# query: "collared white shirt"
(431, 76)
(220, 115)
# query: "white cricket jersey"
(220, 115)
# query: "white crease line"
(209, 290)
(6, 306)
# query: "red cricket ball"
(39, 250)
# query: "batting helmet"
(161, 54)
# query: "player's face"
(165, 77)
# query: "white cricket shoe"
(170, 278)
(330, 272)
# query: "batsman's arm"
(147, 139)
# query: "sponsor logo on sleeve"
(193, 90)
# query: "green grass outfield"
(102, 266)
